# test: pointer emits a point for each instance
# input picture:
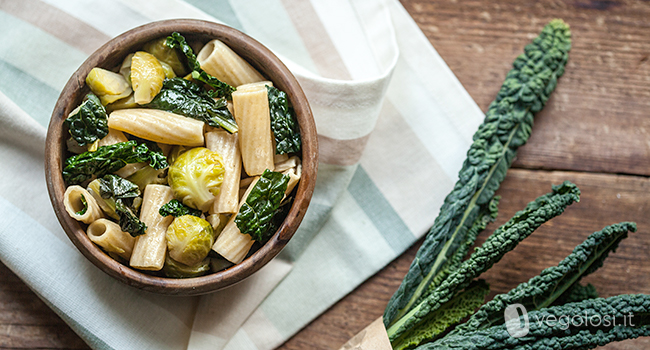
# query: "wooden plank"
(597, 119)
(605, 199)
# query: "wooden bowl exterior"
(110, 56)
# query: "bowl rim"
(262, 59)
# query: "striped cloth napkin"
(393, 122)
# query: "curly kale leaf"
(554, 282)
(577, 326)
(507, 126)
(108, 159)
(88, 122)
(176, 209)
(256, 214)
(283, 122)
(129, 222)
(177, 41)
(186, 98)
(452, 312)
(503, 240)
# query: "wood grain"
(594, 132)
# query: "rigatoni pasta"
(149, 249)
(108, 235)
(158, 126)
(222, 62)
(227, 145)
(81, 205)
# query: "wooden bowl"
(111, 56)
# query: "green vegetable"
(177, 41)
(113, 186)
(554, 282)
(174, 269)
(630, 313)
(108, 159)
(129, 222)
(186, 98)
(256, 214)
(503, 240)
(196, 176)
(189, 239)
(283, 122)
(85, 206)
(176, 209)
(88, 122)
(506, 127)
(166, 54)
(148, 175)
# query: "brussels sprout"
(147, 75)
(174, 269)
(166, 54)
(196, 177)
(108, 86)
(189, 239)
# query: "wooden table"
(595, 131)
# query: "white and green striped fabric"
(393, 122)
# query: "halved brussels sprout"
(108, 86)
(196, 176)
(166, 54)
(189, 239)
(147, 75)
(174, 269)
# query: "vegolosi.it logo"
(518, 321)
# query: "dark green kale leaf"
(283, 122)
(256, 214)
(85, 204)
(507, 126)
(129, 222)
(186, 98)
(113, 186)
(108, 159)
(175, 208)
(88, 122)
(177, 41)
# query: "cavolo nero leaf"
(507, 126)
(108, 159)
(113, 186)
(551, 284)
(504, 239)
(88, 122)
(175, 208)
(177, 41)
(128, 221)
(627, 318)
(186, 98)
(283, 122)
(256, 214)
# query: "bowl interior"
(110, 56)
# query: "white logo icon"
(517, 324)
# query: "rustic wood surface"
(594, 132)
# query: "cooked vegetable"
(186, 98)
(176, 209)
(196, 177)
(108, 159)
(108, 86)
(503, 240)
(177, 41)
(148, 175)
(113, 186)
(88, 122)
(256, 213)
(147, 75)
(507, 126)
(283, 122)
(174, 269)
(129, 222)
(189, 239)
(166, 54)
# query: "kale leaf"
(283, 122)
(108, 159)
(129, 222)
(256, 214)
(175, 208)
(88, 122)
(186, 98)
(113, 186)
(177, 41)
